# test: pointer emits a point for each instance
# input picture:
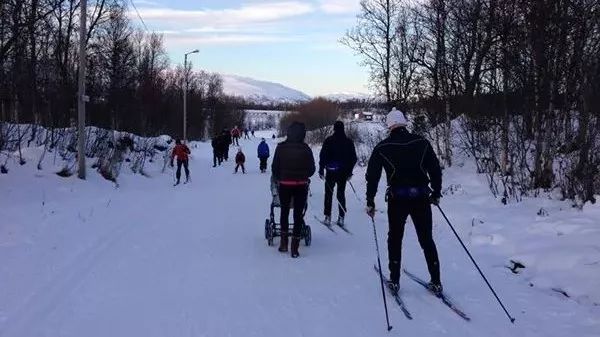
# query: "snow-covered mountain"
(347, 96)
(261, 91)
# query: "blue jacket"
(263, 150)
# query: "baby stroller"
(272, 228)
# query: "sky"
(292, 42)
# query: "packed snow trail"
(149, 259)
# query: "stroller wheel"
(267, 227)
(307, 236)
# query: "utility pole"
(185, 89)
(81, 97)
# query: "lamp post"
(185, 88)
(81, 96)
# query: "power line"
(139, 16)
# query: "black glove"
(370, 208)
(434, 198)
(349, 177)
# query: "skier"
(217, 147)
(336, 162)
(235, 135)
(263, 155)
(252, 131)
(224, 143)
(293, 165)
(246, 133)
(181, 151)
(410, 165)
(240, 159)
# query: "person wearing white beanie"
(395, 118)
(411, 166)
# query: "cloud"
(223, 39)
(340, 6)
(146, 3)
(247, 14)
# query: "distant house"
(366, 116)
(263, 119)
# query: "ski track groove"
(47, 298)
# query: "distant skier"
(224, 143)
(246, 133)
(181, 151)
(217, 146)
(263, 155)
(293, 165)
(336, 162)
(240, 159)
(410, 165)
(252, 133)
(235, 136)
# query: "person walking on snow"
(240, 159)
(225, 142)
(293, 165)
(235, 135)
(263, 155)
(217, 147)
(336, 162)
(410, 165)
(181, 151)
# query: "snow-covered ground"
(83, 258)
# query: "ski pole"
(354, 190)
(512, 319)
(387, 319)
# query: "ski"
(396, 296)
(443, 297)
(330, 227)
(343, 227)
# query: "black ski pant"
(331, 180)
(217, 158)
(263, 163)
(238, 165)
(185, 166)
(298, 195)
(419, 210)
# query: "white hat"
(395, 118)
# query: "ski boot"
(435, 288)
(393, 286)
(294, 247)
(340, 221)
(327, 221)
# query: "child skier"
(263, 155)
(240, 159)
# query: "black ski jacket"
(408, 161)
(338, 154)
(293, 159)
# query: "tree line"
(524, 75)
(130, 81)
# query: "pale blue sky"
(293, 42)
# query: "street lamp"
(185, 89)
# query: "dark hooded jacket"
(408, 161)
(338, 154)
(293, 159)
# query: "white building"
(263, 119)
